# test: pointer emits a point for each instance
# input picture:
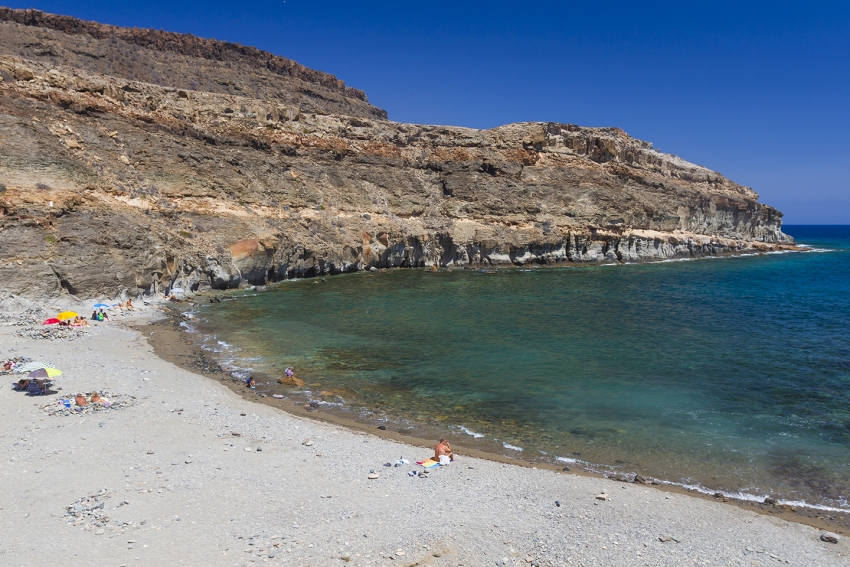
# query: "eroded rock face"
(125, 187)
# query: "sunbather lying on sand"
(443, 448)
(96, 399)
(81, 400)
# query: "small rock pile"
(89, 510)
(51, 333)
(33, 316)
(116, 402)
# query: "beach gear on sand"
(101, 306)
(65, 315)
(51, 321)
(445, 460)
(428, 463)
(38, 387)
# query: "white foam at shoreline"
(468, 432)
(512, 447)
(754, 497)
(566, 460)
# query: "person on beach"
(81, 400)
(443, 449)
(94, 315)
(103, 315)
(249, 383)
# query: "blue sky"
(759, 91)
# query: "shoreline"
(169, 342)
(192, 472)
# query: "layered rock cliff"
(117, 186)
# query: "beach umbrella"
(67, 315)
(30, 366)
(44, 373)
(101, 306)
(52, 321)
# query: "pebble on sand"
(829, 537)
(603, 496)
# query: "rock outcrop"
(116, 186)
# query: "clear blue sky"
(759, 91)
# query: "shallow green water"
(731, 374)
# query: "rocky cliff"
(176, 60)
(119, 187)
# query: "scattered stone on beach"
(640, 479)
(150, 452)
(51, 333)
(236, 434)
(603, 496)
(116, 402)
(248, 450)
(770, 501)
(32, 316)
(373, 476)
(668, 538)
(307, 443)
(829, 537)
(88, 509)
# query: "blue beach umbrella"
(101, 306)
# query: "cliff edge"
(116, 185)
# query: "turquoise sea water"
(730, 374)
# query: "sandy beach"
(190, 473)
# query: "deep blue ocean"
(728, 374)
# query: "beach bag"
(445, 460)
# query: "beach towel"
(428, 463)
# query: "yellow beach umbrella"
(67, 315)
